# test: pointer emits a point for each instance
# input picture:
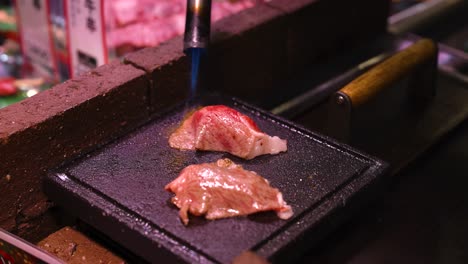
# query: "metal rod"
(420, 14)
(301, 103)
(197, 24)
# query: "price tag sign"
(86, 31)
(36, 37)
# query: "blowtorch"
(196, 37)
(197, 24)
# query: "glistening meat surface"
(224, 189)
(220, 128)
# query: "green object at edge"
(8, 100)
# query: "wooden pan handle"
(417, 62)
(402, 64)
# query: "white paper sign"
(85, 26)
(36, 37)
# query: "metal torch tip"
(197, 24)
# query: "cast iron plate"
(119, 189)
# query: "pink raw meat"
(129, 11)
(125, 11)
(146, 23)
(142, 34)
(224, 189)
(220, 128)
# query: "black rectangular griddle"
(119, 190)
